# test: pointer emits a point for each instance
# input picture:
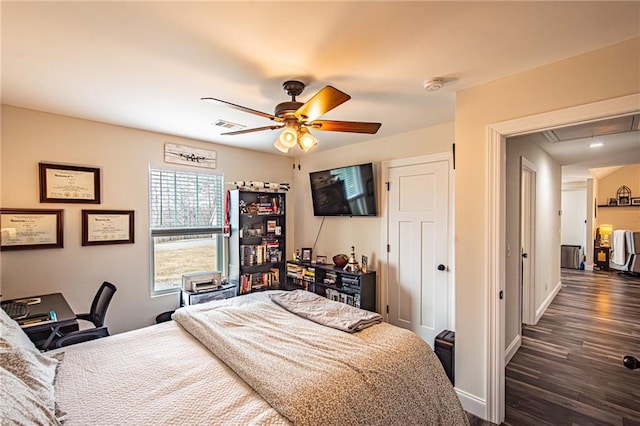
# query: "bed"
(268, 358)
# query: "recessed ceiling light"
(596, 145)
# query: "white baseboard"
(541, 310)
(588, 266)
(473, 404)
(512, 349)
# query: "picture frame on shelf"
(364, 264)
(271, 226)
(321, 260)
(635, 201)
(613, 202)
(24, 229)
(62, 183)
(102, 227)
(624, 200)
(305, 255)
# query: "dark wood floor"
(569, 369)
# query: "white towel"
(619, 253)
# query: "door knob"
(441, 267)
(631, 362)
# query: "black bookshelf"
(257, 243)
(354, 288)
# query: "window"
(186, 218)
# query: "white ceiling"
(147, 64)
(612, 143)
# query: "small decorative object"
(635, 201)
(243, 207)
(296, 256)
(181, 154)
(277, 230)
(69, 184)
(624, 196)
(365, 263)
(306, 255)
(352, 265)
(31, 229)
(101, 227)
(340, 260)
(254, 185)
(321, 260)
(613, 201)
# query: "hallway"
(569, 369)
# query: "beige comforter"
(315, 375)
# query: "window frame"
(216, 231)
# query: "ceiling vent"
(593, 129)
(228, 125)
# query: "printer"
(201, 281)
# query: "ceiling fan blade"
(256, 129)
(241, 108)
(346, 126)
(322, 102)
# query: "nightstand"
(601, 257)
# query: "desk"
(42, 335)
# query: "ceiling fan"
(296, 118)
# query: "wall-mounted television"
(344, 191)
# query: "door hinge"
(501, 294)
(388, 185)
(387, 308)
(388, 248)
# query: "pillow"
(20, 404)
(20, 357)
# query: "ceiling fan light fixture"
(289, 137)
(306, 141)
(280, 147)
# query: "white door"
(418, 247)
(527, 241)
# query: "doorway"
(527, 242)
(496, 140)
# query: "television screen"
(344, 191)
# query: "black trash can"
(164, 317)
(445, 349)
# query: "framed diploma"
(24, 229)
(101, 227)
(69, 184)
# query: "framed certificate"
(100, 227)
(24, 229)
(69, 184)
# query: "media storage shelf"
(354, 288)
(257, 241)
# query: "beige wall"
(546, 255)
(599, 75)
(625, 217)
(124, 154)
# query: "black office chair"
(95, 316)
